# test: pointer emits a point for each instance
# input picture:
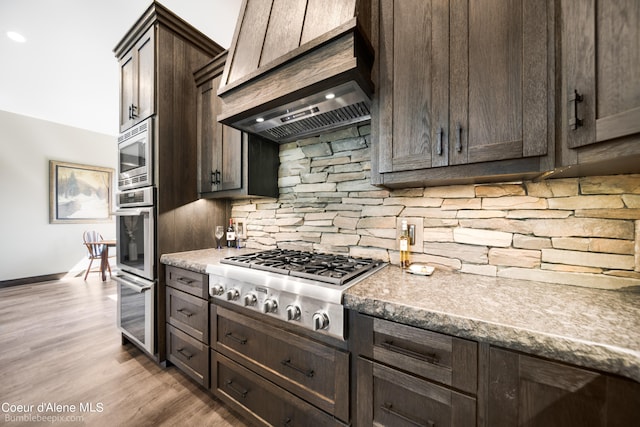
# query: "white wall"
(29, 245)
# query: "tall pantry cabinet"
(158, 57)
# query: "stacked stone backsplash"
(577, 231)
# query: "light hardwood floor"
(59, 344)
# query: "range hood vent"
(329, 120)
(347, 104)
(298, 68)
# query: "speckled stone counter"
(587, 327)
(197, 260)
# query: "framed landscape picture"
(79, 193)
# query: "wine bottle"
(404, 246)
(231, 234)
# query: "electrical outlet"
(418, 241)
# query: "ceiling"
(66, 71)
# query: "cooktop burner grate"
(328, 268)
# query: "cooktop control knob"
(217, 290)
(270, 306)
(320, 321)
(293, 312)
(233, 295)
(250, 299)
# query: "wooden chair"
(92, 241)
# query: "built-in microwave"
(135, 156)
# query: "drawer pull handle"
(185, 280)
(242, 341)
(388, 407)
(185, 353)
(308, 372)
(185, 312)
(429, 358)
(241, 393)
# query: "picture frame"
(79, 193)
(241, 229)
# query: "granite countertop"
(197, 260)
(587, 327)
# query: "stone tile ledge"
(587, 327)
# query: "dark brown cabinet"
(600, 98)
(298, 369)
(187, 314)
(231, 163)
(137, 81)
(529, 391)
(411, 376)
(463, 91)
(268, 404)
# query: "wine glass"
(219, 233)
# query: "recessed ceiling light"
(259, 120)
(330, 96)
(16, 37)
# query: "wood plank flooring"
(59, 344)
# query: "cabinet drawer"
(188, 313)
(188, 281)
(188, 354)
(438, 357)
(260, 399)
(314, 371)
(399, 399)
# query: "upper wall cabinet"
(463, 91)
(231, 163)
(600, 97)
(137, 82)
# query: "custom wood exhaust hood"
(298, 68)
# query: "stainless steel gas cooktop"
(304, 288)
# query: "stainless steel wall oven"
(135, 232)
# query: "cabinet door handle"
(241, 341)
(240, 392)
(185, 353)
(388, 407)
(308, 372)
(458, 138)
(439, 142)
(133, 111)
(574, 99)
(430, 358)
(185, 312)
(215, 177)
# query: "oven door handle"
(133, 285)
(132, 212)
